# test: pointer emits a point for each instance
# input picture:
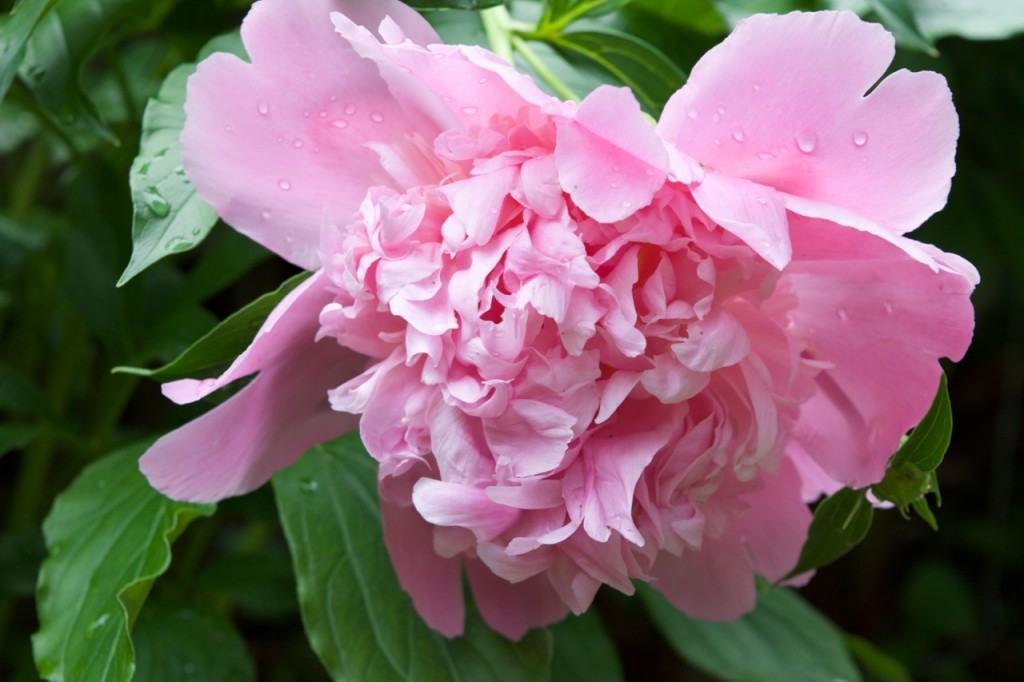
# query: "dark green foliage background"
(947, 606)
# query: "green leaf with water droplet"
(108, 538)
(784, 639)
(15, 33)
(168, 216)
(182, 642)
(358, 620)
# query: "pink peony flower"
(584, 349)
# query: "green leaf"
(871, 659)
(783, 640)
(189, 642)
(19, 395)
(988, 20)
(928, 442)
(222, 344)
(455, 4)
(168, 216)
(734, 11)
(651, 75)
(14, 436)
(560, 13)
(358, 620)
(583, 650)
(898, 17)
(697, 15)
(840, 523)
(14, 34)
(108, 537)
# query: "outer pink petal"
(610, 160)
(235, 447)
(274, 143)
(781, 102)
(512, 609)
(714, 583)
(433, 582)
(883, 320)
(293, 323)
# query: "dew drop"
(339, 123)
(627, 204)
(762, 201)
(322, 113)
(307, 486)
(737, 134)
(806, 141)
(350, 109)
(266, 214)
(721, 111)
(716, 117)
(765, 155)
(305, 113)
(333, 98)
(284, 185)
(757, 87)
(377, 117)
(263, 108)
(843, 315)
(297, 143)
(227, 129)
(482, 80)
(718, 143)
(691, 113)
(860, 138)
(155, 202)
(469, 111)
(888, 307)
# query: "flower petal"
(610, 160)
(236, 447)
(433, 582)
(512, 609)
(781, 102)
(273, 144)
(874, 313)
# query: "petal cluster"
(584, 350)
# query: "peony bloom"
(584, 349)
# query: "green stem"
(496, 22)
(542, 70)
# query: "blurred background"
(948, 606)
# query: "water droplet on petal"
(721, 111)
(737, 134)
(888, 307)
(263, 108)
(266, 214)
(843, 315)
(305, 113)
(860, 138)
(284, 185)
(339, 123)
(765, 155)
(762, 201)
(322, 113)
(757, 87)
(350, 109)
(691, 113)
(377, 117)
(718, 143)
(297, 143)
(806, 141)
(482, 80)
(627, 204)
(469, 111)
(716, 117)
(333, 98)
